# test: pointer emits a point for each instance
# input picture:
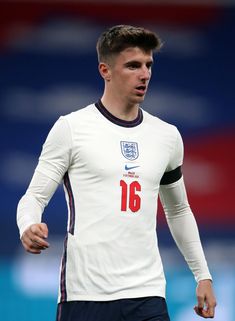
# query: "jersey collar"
(118, 121)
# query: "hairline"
(109, 59)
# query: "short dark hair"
(117, 38)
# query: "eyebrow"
(137, 62)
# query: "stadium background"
(48, 67)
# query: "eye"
(133, 66)
(149, 65)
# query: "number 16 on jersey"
(129, 197)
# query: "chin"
(140, 99)
(137, 100)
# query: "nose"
(145, 73)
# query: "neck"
(121, 109)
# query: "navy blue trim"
(118, 121)
(71, 203)
(171, 176)
(63, 290)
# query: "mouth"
(141, 90)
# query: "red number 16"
(134, 199)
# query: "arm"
(184, 230)
(183, 227)
(33, 233)
(54, 161)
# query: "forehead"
(134, 54)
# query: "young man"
(114, 158)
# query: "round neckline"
(120, 122)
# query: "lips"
(141, 89)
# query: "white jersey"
(112, 171)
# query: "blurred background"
(48, 67)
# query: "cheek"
(122, 81)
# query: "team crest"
(130, 150)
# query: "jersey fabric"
(111, 170)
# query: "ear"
(104, 70)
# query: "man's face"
(130, 73)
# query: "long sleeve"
(53, 163)
(36, 198)
(184, 228)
